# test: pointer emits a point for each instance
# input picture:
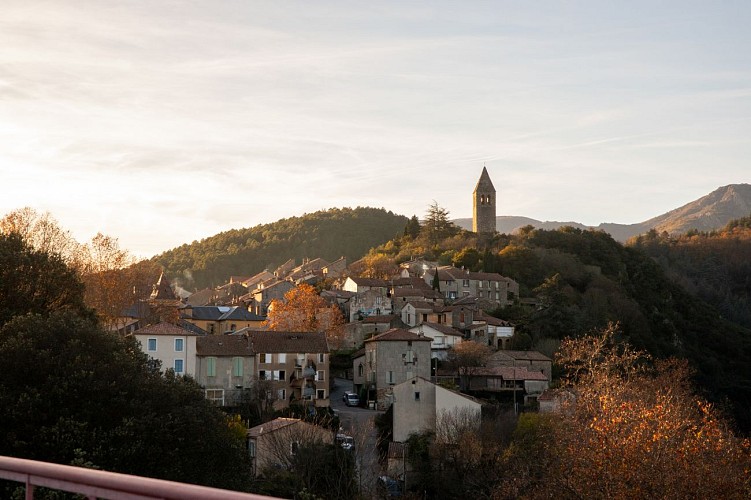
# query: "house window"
(211, 328)
(360, 370)
(425, 317)
(252, 449)
(319, 376)
(281, 394)
(237, 366)
(179, 366)
(281, 358)
(261, 374)
(465, 283)
(479, 294)
(211, 367)
(282, 374)
(452, 295)
(497, 295)
(151, 345)
(264, 358)
(391, 377)
(216, 396)
(417, 396)
(465, 294)
(321, 394)
(321, 358)
(179, 345)
(479, 284)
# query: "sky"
(164, 122)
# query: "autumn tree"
(303, 310)
(41, 232)
(376, 265)
(113, 278)
(635, 428)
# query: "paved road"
(358, 423)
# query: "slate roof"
(163, 328)
(162, 290)
(221, 313)
(417, 292)
(270, 342)
(398, 334)
(223, 345)
(201, 297)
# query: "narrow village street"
(359, 423)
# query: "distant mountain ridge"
(708, 213)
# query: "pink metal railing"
(110, 485)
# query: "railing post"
(29, 488)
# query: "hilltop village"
(423, 342)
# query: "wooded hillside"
(329, 234)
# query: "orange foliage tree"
(635, 429)
(303, 310)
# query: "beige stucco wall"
(165, 351)
(413, 415)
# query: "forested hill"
(714, 266)
(329, 234)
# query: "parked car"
(351, 399)
(345, 441)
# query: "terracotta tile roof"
(274, 425)
(288, 342)
(398, 334)
(371, 282)
(223, 345)
(524, 355)
(383, 318)
(492, 320)
(509, 373)
(442, 327)
(421, 305)
(411, 282)
(163, 328)
(417, 292)
(219, 313)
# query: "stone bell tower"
(483, 205)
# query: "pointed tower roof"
(484, 184)
(162, 290)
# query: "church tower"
(483, 205)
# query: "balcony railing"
(102, 484)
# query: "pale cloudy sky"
(162, 122)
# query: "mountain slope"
(329, 234)
(708, 213)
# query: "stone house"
(528, 385)
(369, 303)
(296, 366)
(265, 293)
(416, 311)
(335, 269)
(225, 368)
(391, 358)
(456, 283)
(531, 360)
(274, 443)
